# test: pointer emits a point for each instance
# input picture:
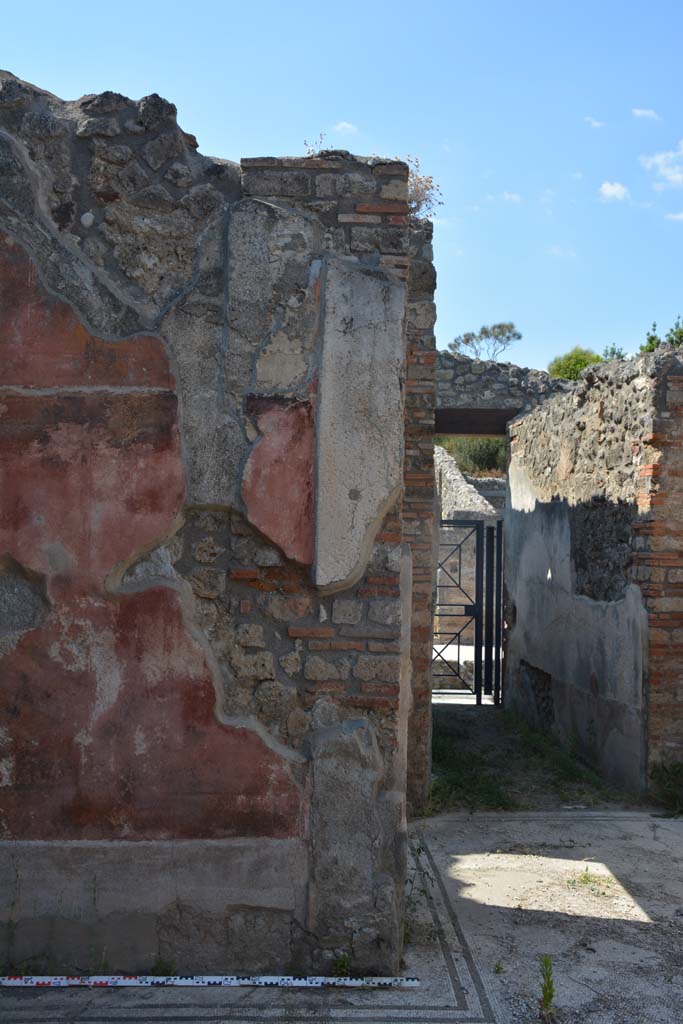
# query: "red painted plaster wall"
(108, 706)
(277, 486)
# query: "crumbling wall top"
(466, 383)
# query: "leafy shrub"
(476, 455)
(573, 362)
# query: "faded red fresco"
(107, 706)
(277, 486)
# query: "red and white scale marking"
(199, 981)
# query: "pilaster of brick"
(658, 569)
(361, 201)
(419, 503)
(362, 206)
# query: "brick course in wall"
(420, 511)
(657, 564)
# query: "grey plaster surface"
(488, 894)
(594, 650)
(76, 905)
(360, 416)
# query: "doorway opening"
(468, 612)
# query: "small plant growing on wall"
(316, 145)
(424, 194)
(341, 967)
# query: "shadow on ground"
(484, 758)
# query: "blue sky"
(552, 128)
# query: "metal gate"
(468, 617)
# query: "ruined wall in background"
(205, 597)
(420, 512)
(591, 554)
(491, 488)
(466, 383)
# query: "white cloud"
(674, 216)
(613, 190)
(646, 112)
(593, 123)
(561, 252)
(512, 197)
(345, 128)
(667, 165)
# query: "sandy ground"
(600, 891)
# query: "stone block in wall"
(372, 239)
(277, 183)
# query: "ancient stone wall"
(591, 552)
(420, 512)
(481, 395)
(492, 488)
(458, 495)
(205, 598)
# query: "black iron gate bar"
(467, 610)
(485, 611)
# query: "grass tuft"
(163, 968)
(462, 778)
(667, 779)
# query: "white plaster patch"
(523, 494)
(140, 741)
(6, 771)
(105, 665)
(360, 416)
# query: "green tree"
(573, 362)
(488, 342)
(674, 336)
(613, 352)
